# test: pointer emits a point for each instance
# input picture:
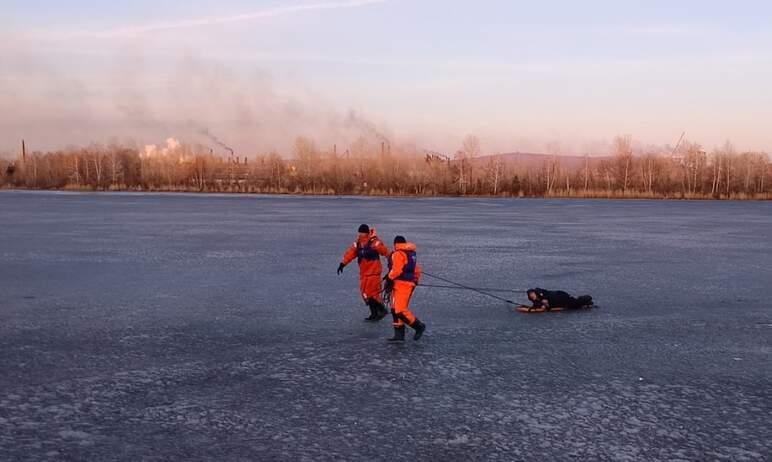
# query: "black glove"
(340, 268)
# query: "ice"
(209, 327)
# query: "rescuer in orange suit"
(368, 250)
(404, 274)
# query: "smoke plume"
(138, 101)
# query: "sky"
(562, 76)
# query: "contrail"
(209, 21)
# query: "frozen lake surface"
(201, 327)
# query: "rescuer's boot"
(399, 335)
(380, 311)
(419, 329)
(373, 311)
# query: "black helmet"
(400, 240)
(363, 228)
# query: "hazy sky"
(519, 74)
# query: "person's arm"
(398, 260)
(348, 256)
(381, 248)
(417, 273)
(543, 299)
(541, 303)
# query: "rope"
(487, 289)
(468, 288)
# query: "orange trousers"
(370, 287)
(400, 303)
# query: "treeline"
(375, 168)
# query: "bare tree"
(586, 172)
(116, 169)
(623, 155)
(96, 156)
(367, 168)
(647, 173)
(307, 158)
(470, 149)
(494, 171)
(729, 153)
(716, 167)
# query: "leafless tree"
(623, 155)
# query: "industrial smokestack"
(23, 151)
(214, 139)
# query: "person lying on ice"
(368, 250)
(549, 299)
(404, 274)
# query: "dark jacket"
(560, 299)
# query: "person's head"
(364, 229)
(400, 240)
(532, 295)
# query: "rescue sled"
(557, 309)
(529, 310)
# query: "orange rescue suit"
(404, 273)
(368, 249)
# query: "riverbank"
(592, 194)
